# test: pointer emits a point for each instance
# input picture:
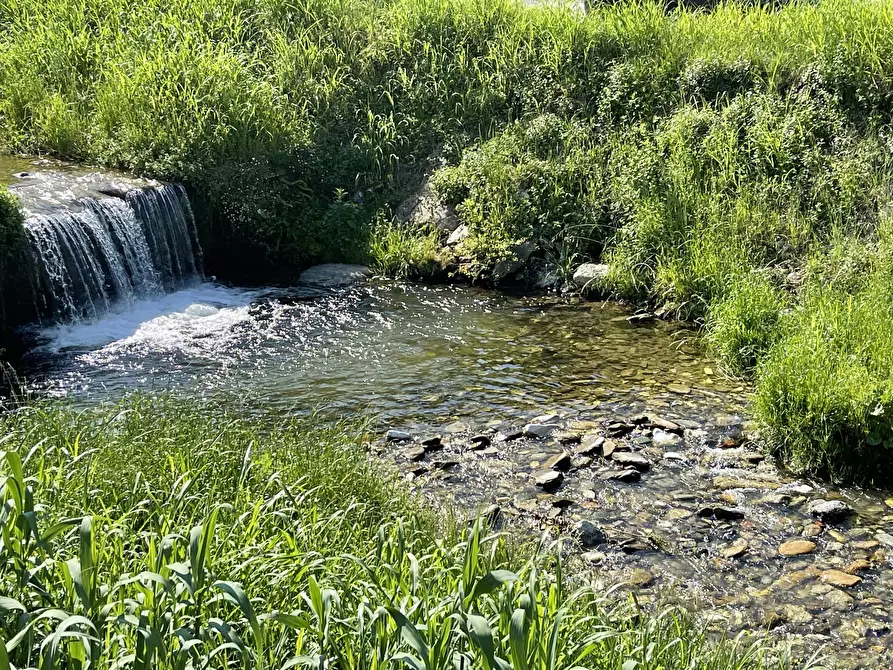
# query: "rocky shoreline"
(679, 510)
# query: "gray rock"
(628, 476)
(425, 208)
(398, 436)
(721, 513)
(591, 444)
(631, 459)
(829, 511)
(665, 424)
(540, 430)
(590, 276)
(549, 479)
(665, 440)
(511, 265)
(675, 456)
(589, 534)
(459, 235)
(885, 539)
(334, 275)
(415, 453)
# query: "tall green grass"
(711, 158)
(152, 535)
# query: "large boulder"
(590, 276)
(424, 207)
(334, 275)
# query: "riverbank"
(157, 534)
(729, 166)
(648, 457)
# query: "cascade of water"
(108, 252)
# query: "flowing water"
(458, 362)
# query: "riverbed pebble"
(540, 430)
(549, 479)
(632, 460)
(796, 548)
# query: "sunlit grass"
(151, 534)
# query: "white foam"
(172, 321)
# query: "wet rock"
(839, 578)
(446, 464)
(560, 461)
(734, 550)
(415, 453)
(639, 419)
(829, 511)
(860, 565)
(679, 389)
(796, 548)
(837, 599)
(628, 476)
(634, 546)
(632, 460)
(510, 436)
(721, 513)
(665, 425)
(640, 578)
(549, 480)
(590, 276)
(589, 445)
(665, 439)
(509, 266)
(641, 317)
(546, 418)
(458, 236)
(593, 557)
(812, 530)
(567, 437)
(489, 451)
(540, 430)
(618, 429)
(589, 535)
(433, 443)
(480, 441)
(608, 448)
(334, 275)
(675, 456)
(398, 436)
(866, 545)
(885, 539)
(581, 462)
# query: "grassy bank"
(732, 166)
(153, 535)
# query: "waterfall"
(103, 254)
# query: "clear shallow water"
(411, 354)
(457, 361)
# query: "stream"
(549, 414)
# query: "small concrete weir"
(98, 242)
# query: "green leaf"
(410, 634)
(490, 582)
(518, 640)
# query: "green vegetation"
(153, 535)
(724, 163)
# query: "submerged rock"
(796, 548)
(334, 275)
(540, 430)
(589, 534)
